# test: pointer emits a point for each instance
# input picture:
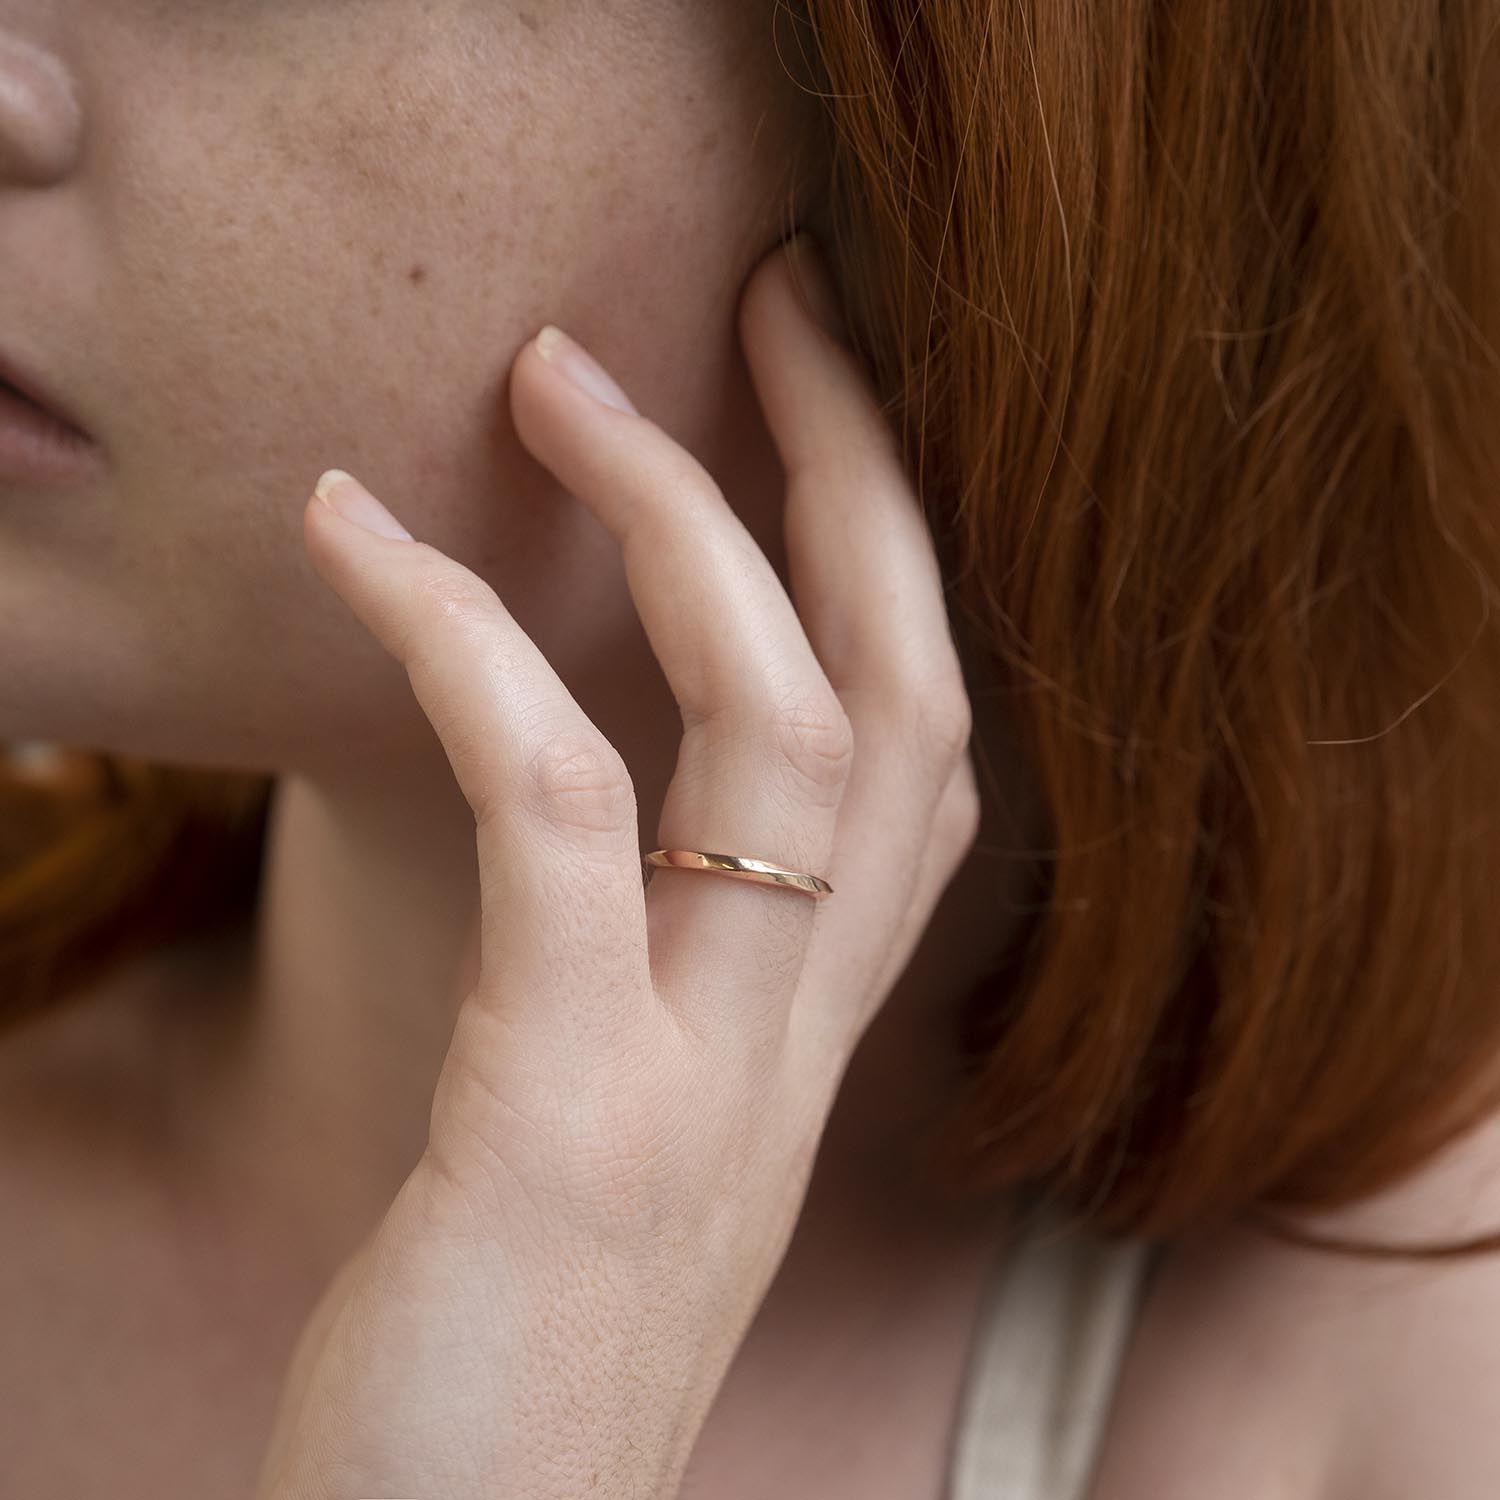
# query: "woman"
(1178, 318)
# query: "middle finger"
(767, 746)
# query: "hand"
(625, 1123)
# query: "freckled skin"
(315, 234)
(301, 234)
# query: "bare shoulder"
(1261, 1371)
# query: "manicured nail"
(345, 494)
(581, 368)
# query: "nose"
(41, 119)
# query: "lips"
(23, 386)
(42, 443)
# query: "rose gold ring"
(738, 865)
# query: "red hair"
(1178, 311)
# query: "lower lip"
(38, 448)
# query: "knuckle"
(941, 718)
(665, 484)
(452, 599)
(953, 721)
(812, 734)
(960, 810)
(453, 593)
(682, 481)
(579, 781)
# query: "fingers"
(766, 745)
(818, 735)
(869, 591)
(955, 826)
(864, 573)
(553, 804)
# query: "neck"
(328, 1064)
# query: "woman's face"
(247, 240)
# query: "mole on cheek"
(417, 275)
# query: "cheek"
(338, 270)
(324, 266)
(344, 255)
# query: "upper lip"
(13, 374)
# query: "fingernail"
(345, 494)
(581, 368)
(811, 274)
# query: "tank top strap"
(1053, 1327)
